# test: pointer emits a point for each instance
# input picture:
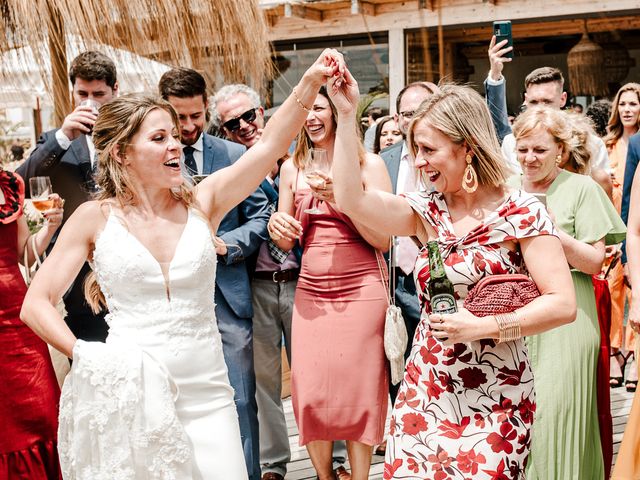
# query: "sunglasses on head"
(234, 124)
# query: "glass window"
(368, 63)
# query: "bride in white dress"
(154, 401)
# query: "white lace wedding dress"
(154, 402)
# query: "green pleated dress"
(565, 436)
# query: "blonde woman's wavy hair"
(461, 114)
(580, 146)
(568, 130)
(615, 128)
(118, 122)
(304, 143)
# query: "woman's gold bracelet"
(508, 326)
(300, 102)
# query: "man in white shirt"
(543, 87)
(67, 156)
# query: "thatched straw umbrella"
(225, 39)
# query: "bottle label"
(443, 303)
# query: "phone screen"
(502, 31)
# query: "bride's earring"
(470, 179)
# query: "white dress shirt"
(198, 154)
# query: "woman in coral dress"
(29, 391)
(628, 462)
(466, 404)
(623, 123)
(338, 368)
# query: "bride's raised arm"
(224, 189)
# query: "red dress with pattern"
(465, 411)
(29, 391)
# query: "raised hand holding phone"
(500, 52)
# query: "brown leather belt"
(279, 276)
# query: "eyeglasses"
(408, 115)
(234, 124)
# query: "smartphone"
(542, 197)
(502, 31)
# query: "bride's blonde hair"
(118, 122)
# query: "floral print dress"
(465, 411)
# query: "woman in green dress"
(565, 437)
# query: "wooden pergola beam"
(303, 12)
(548, 28)
(337, 20)
(365, 8)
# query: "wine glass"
(40, 190)
(318, 163)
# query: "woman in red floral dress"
(29, 391)
(466, 404)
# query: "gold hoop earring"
(470, 179)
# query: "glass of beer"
(40, 191)
(318, 163)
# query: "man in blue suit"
(67, 156)
(633, 157)
(242, 230)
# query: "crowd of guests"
(186, 262)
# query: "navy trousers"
(237, 346)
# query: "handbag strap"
(383, 277)
(390, 277)
(38, 263)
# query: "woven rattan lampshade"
(586, 68)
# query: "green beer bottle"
(440, 287)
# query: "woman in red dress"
(29, 391)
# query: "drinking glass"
(95, 106)
(40, 190)
(318, 163)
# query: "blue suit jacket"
(391, 157)
(245, 226)
(633, 157)
(497, 103)
(72, 179)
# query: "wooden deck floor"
(301, 468)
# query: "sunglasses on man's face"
(234, 124)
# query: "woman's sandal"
(617, 382)
(632, 385)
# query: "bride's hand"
(344, 93)
(329, 64)
(220, 246)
